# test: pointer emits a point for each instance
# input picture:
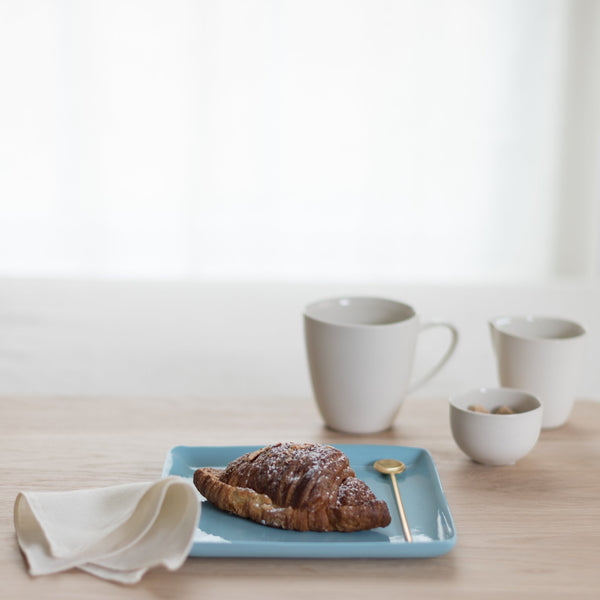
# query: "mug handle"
(446, 356)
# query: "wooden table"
(526, 531)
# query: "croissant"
(294, 486)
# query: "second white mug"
(542, 355)
(360, 354)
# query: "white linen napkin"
(116, 532)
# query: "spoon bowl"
(389, 466)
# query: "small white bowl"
(496, 439)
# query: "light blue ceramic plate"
(427, 512)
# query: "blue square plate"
(427, 512)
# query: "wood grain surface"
(531, 530)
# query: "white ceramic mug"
(542, 355)
(360, 354)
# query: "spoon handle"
(405, 527)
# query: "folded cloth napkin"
(117, 532)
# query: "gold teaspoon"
(391, 467)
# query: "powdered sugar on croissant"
(294, 486)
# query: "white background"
(317, 140)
